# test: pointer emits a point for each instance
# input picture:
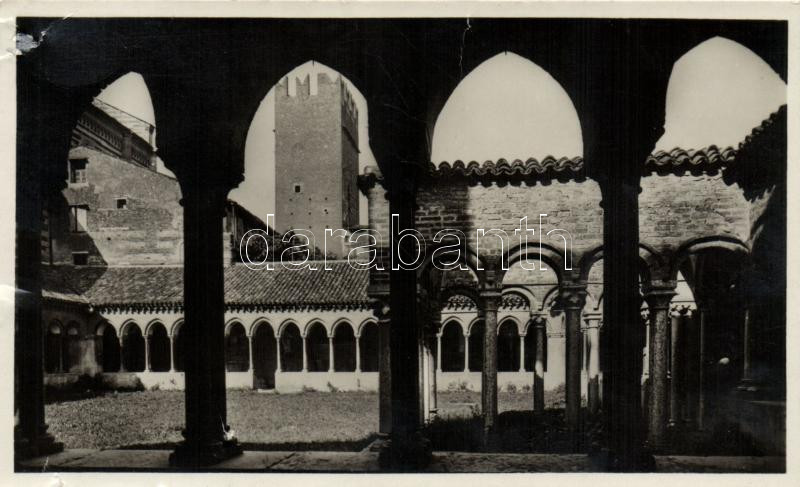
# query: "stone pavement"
(367, 461)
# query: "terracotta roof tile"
(115, 286)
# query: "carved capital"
(490, 299)
(658, 296)
(572, 296)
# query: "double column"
(658, 299)
(207, 440)
(540, 340)
(490, 301)
(572, 296)
(593, 362)
(382, 314)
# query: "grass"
(343, 421)
(302, 421)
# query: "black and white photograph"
(347, 241)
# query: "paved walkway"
(367, 461)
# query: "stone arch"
(257, 323)
(743, 91)
(522, 292)
(285, 324)
(340, 322)
(452, 346)
(317, 349)
(550, 256)
(508, 345)
(313, 322)
(369, 346)
(468, 257)
(54, 347)
(159, 347)
(265, 354)
(344, 347)
(133, 347)
(291, 347)
(721, 242)
(107, 353)
(550, 299)
(552, 103)
(237, 347)
(650, 262)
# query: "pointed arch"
(506, 89)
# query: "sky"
(508, 107)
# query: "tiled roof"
(56, 288)
(517, 168)
(677, 158)
(343, 285)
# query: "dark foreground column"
(622, 329)
(573, 297)
(30, 433)
(658, 299)
(207, 440)
(384, 369)
(540, 328)
(491, 301)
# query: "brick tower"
(316, 158)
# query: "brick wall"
(149, 230)
(673, 210)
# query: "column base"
(191, 455)
(46, 444)
(412, 455)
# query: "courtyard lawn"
(308, 420)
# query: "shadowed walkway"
(367, 461)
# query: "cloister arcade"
(619, 191)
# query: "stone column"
(171, 353)
(122, 354)
(747, 355)
(658, 299)
(677, 369)
(466, 353)
(278, 364)
(382, 313)
(358, 354)
(540, 339)
(702, 316)
(330, 354)
(250, 353)
(522, 352)
(305, 354)
(43, 138)
(207, 439)
(593, 366)
(147, 366)
(490, 300)
(438, 352)
(572, 297)
(434, 363)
